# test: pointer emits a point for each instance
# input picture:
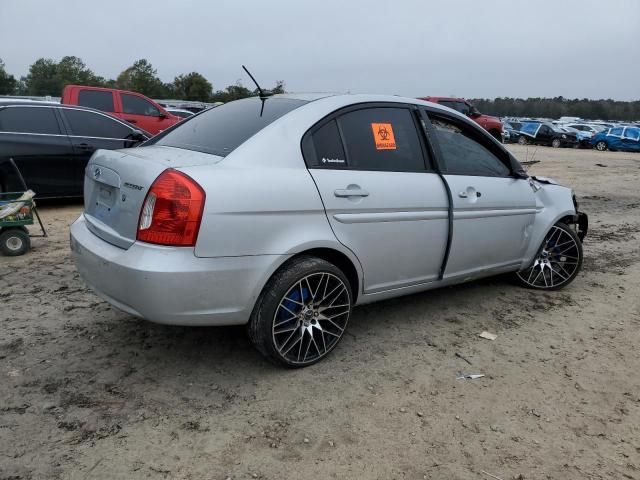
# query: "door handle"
(464, 194)
(131, 120)
(86, 147)
(351, 192)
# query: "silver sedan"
(283, 213)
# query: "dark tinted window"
(324, 147)
(221, 130)
(448, 103)
(29, 120)
(461, 107)
(135, 105)
(96, 99)
(90, 124)
(381, 139)
(462, 152)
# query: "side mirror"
(520, 174)
(138, 136)
(163, 115)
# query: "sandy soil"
(89, 392)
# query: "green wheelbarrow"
(17, 210)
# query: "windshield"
(221, 130)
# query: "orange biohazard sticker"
(383, 136)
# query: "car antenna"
(263, 95)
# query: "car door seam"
(436, 155)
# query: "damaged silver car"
(283, 213)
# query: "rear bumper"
(171, 285)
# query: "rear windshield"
(222, 129)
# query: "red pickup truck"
(131, 107)
(491, 124)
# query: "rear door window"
(29, 119)
(383, 138)
(221, 130)
(134, 105)
(632, 133)
(98, 99)
(91, 124)
(464, 151)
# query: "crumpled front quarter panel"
(553, 202)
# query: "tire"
(14, 242)
(560, 254)
(522, 140)
(289, 324)
(556, 143)
(601, 146)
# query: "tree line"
(48, 77)
(604, 109)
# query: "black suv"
(52, 143)
(546, 133)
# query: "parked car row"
(52, 143)
(573, 132)
(546, 133)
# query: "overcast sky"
(471, 48)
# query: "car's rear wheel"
(556, 143)
(522, 140)
(601, 146)
(302, 312)
(557, 262)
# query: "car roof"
(446, 99)
(10, 101)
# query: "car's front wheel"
(302, 312)
(557, 262)
(601, 146)
(522, 140)
(556, 143)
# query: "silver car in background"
(285, 212)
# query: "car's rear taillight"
(172, 211)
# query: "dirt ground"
(89, 392)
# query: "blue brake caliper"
(290, 303)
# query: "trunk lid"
(117, 181)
